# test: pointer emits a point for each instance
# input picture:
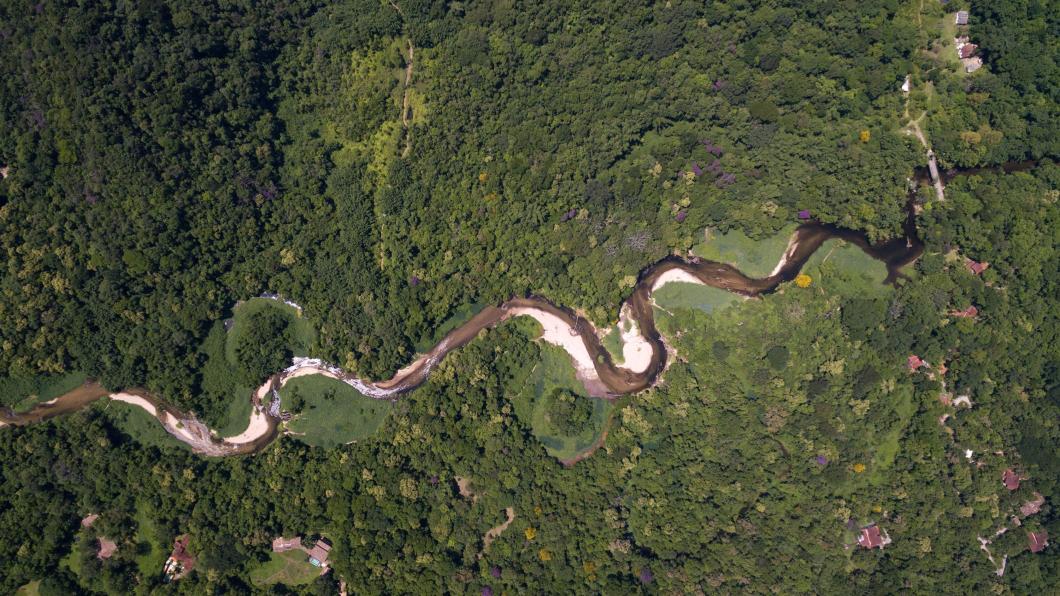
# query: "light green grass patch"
(30, 589)
(333, 413)
(681, 294)
(844, 268)
(556, 371)
(457, 318)
(302, 333)
(613, 343)
(144, 428)
(291, 568)
(755, 258)
(23, 393)
(150, 558)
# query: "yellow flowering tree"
(530, 533)
(803, 281)
(865, 136)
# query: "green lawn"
(843, 268)
(30, 589)
(302, 333)
(458, 317)
(755, 258)
(22, 393)
(532, 402)
(334, 413)
(138, 424)
(613, 343)
(291, 568)
(151, 553)
(689, 295)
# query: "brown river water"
(611, 380)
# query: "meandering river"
(562, 326)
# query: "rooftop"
(871, 537)
(319, 555)
(1010, 479)
(1038, 541)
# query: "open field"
(755, 258)
(22, 393)
(291, 568)
(841, 267)
(457, 317)
(138, 424)
(302, 333)
(535, 402)
(680, 294)
(332, 413)
(150, 558)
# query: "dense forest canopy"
(386, 164)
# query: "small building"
(915, 362)
(107, 548)
(281, 544)
(972, 64)
(970, 312)
(975, 267)
(180, 561)
(1032, 507)
(1038, 541)
(962, 17)
(1010, 479)
(871, 537)
(318, 556)
(967, 50)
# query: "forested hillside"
(390, 165)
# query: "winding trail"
(562, 326)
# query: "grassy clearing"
(755, 258)
(689, 295)
(302, 333)
(533, 402)
(613, 343)
(332, 413)
(22, 393)
(457, 318)
(843, 268)
(219, 382)
(151, 552)
(30, 589)
(290, 568)
(138, 424)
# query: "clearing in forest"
(291, 568)
(755, 258)
(329, 413)
(300, 329)
(562, 417)
(679, 294)
(151, 552)
(843, 268)
(21, 394)
(138, 424)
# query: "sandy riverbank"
(558, 333)
(135, 400)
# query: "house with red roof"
(1010, 479)
(969, 313)
(915, 362)
(1038, 541)
(975, 267)
(871, 537)
(1032, 507)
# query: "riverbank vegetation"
(164, 160)
(330, 413)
